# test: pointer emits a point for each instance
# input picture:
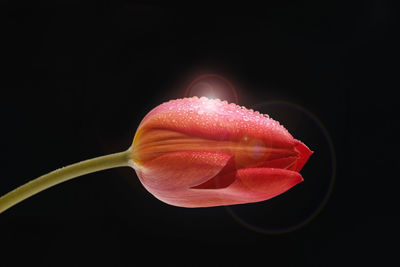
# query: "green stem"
(64, 174)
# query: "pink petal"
(181, 170)
(258, 184)
(250, 185)
(216, 120)
(281, 163)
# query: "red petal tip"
(304, 153)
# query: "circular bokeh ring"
(285, 208)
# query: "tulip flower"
(198, 152)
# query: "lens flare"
(212, 86)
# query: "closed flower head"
(199, 152)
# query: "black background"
(77, 80)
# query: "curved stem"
(64, 174)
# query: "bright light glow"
(212, 86)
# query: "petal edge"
(304, 154)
